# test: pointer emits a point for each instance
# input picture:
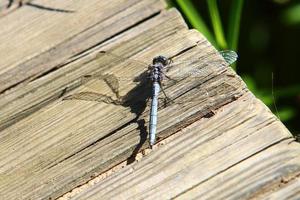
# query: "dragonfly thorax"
(156, 72)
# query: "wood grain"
(31, 96)
(55, 143)
(39, 36)
(226, 143)
(239, 152)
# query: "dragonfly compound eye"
(160, 59)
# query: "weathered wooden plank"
(252, 178)
(39, 35)
(22, 101)
(49, 146)
(67, 142)
(289, 188)
(232, 155)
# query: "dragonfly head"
(161, 59)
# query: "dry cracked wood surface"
(217, 141)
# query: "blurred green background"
(265, 34)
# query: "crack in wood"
(75, 57)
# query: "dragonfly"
(154, 73)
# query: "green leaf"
(195, 19)
(249, 82)
(291, 16)
(267, 99)
(286, 113)
(234, 23)
(216, 23)
(260, 94)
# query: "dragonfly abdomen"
(153, 112)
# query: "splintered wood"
(74, 123)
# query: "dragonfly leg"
(147, 102)
(170, 61)
(168, 77)
(166, 99)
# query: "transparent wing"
(93, 96)
(136, 70)
(108, 88)
(229, 56)
(193, 69)
(193, 66)
(199, 66)
(121, 58)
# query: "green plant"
(218, 39)
(210, 24)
